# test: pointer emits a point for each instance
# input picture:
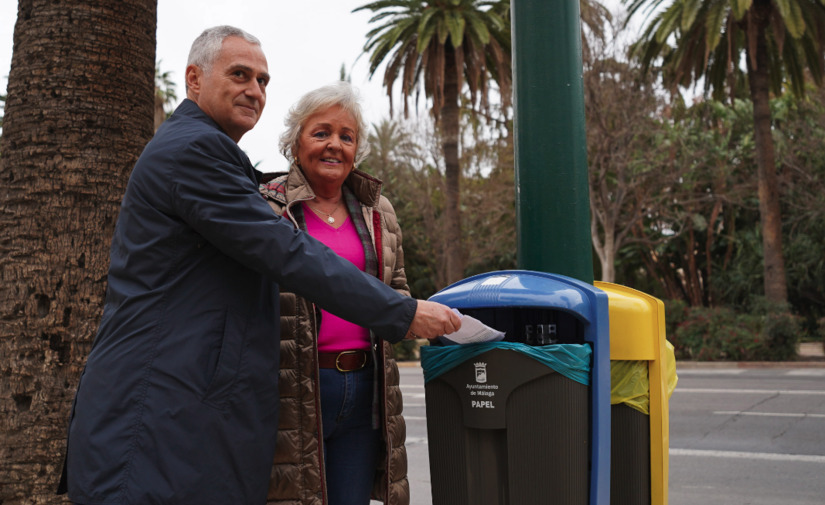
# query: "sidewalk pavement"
(809, 355)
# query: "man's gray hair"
(340, 93)
(207, 47)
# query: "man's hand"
(433, 320)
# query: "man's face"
(233, 92)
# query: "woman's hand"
(433, 320)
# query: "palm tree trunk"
(450, 128)
(776, 289)
(79, 112)
(159, 112)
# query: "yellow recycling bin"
(643, 376)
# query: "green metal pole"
(552, 197)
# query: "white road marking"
(750, 391)
(767, 414)
(709, 371)
(807, 372)
(769, 456)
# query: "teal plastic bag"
(570, 360)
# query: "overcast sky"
(305, 43)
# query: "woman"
(341, 433)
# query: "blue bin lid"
(520, 288)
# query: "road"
(738, 436)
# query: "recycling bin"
(643, 376)
(511, 423)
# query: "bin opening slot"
(531, 325)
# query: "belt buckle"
(343, 353)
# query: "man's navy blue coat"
(178, 402)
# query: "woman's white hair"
(206, 48)
(340, 93)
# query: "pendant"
(330, 220)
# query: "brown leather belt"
(345, 361)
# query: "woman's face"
(326, 146)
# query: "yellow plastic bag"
(670, 368)
(630, 384)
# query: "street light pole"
(552, 190)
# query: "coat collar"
(190, 109)
(292, 186)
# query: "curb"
(750, 364)
(684, 365)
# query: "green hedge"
(720, 334)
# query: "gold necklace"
(330, 219)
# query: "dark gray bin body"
(505, 429)
(629, 456)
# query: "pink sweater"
(338, 334)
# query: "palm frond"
(740, 7)
(414, 36)
(791, 16)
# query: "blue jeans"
(350, 443)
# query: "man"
(178, 401)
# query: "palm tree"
(596, 25)
(77, 115)
(393, 147)
(443, 44)
(778, 40)
(165, 95)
